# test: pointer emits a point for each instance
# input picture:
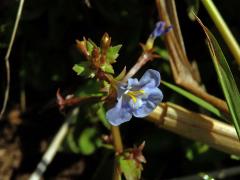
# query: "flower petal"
(135, 105)
(118, 114)
(152, 98)
(133, 82)
(159, 29)
(150, 79)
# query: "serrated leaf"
(130, 168)
(86, 141)
(83, 69)
(193, 98)
(78, 68)
(225, 77)
(107, 68)
(112, 53)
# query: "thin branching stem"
(6, 58)
(142, 60)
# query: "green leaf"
(71, 142)
(78, 68)
(130, 168)
(102, 116)
(83, 69)
(107, 68)
(112, 53)
(163, 53)
(90, 46)
(91, 88)
(193, 98)
(225, 77)
(235, 157)
(86, 141)
(195, 150)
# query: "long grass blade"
(193, 98)
(226, 78)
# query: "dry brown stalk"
(183, 72)
(196, 126)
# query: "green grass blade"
(226, 78)
(193, 98)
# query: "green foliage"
(130, 168)
(226, 79)
(87, 141)
(234, 157)
(205, 176)
(107, 68)
(98, 58)
(90, 46)
(101, 113)
(71, 143)
(83, 69)
(195, 150)
(163, 53)
(90, 88)
(112, 53)
(193, 98)
(78, 68)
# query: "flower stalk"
(117, 140)
(118, 146)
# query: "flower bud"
(105, 41)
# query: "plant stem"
(223, 29)
(142, 60)
(196, 126)
(117, 142)
(6, 58)
(54, 146)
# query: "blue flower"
(136, 98)
(160, 29)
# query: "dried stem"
(196, 126)
(183, 72)
(6, 58)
